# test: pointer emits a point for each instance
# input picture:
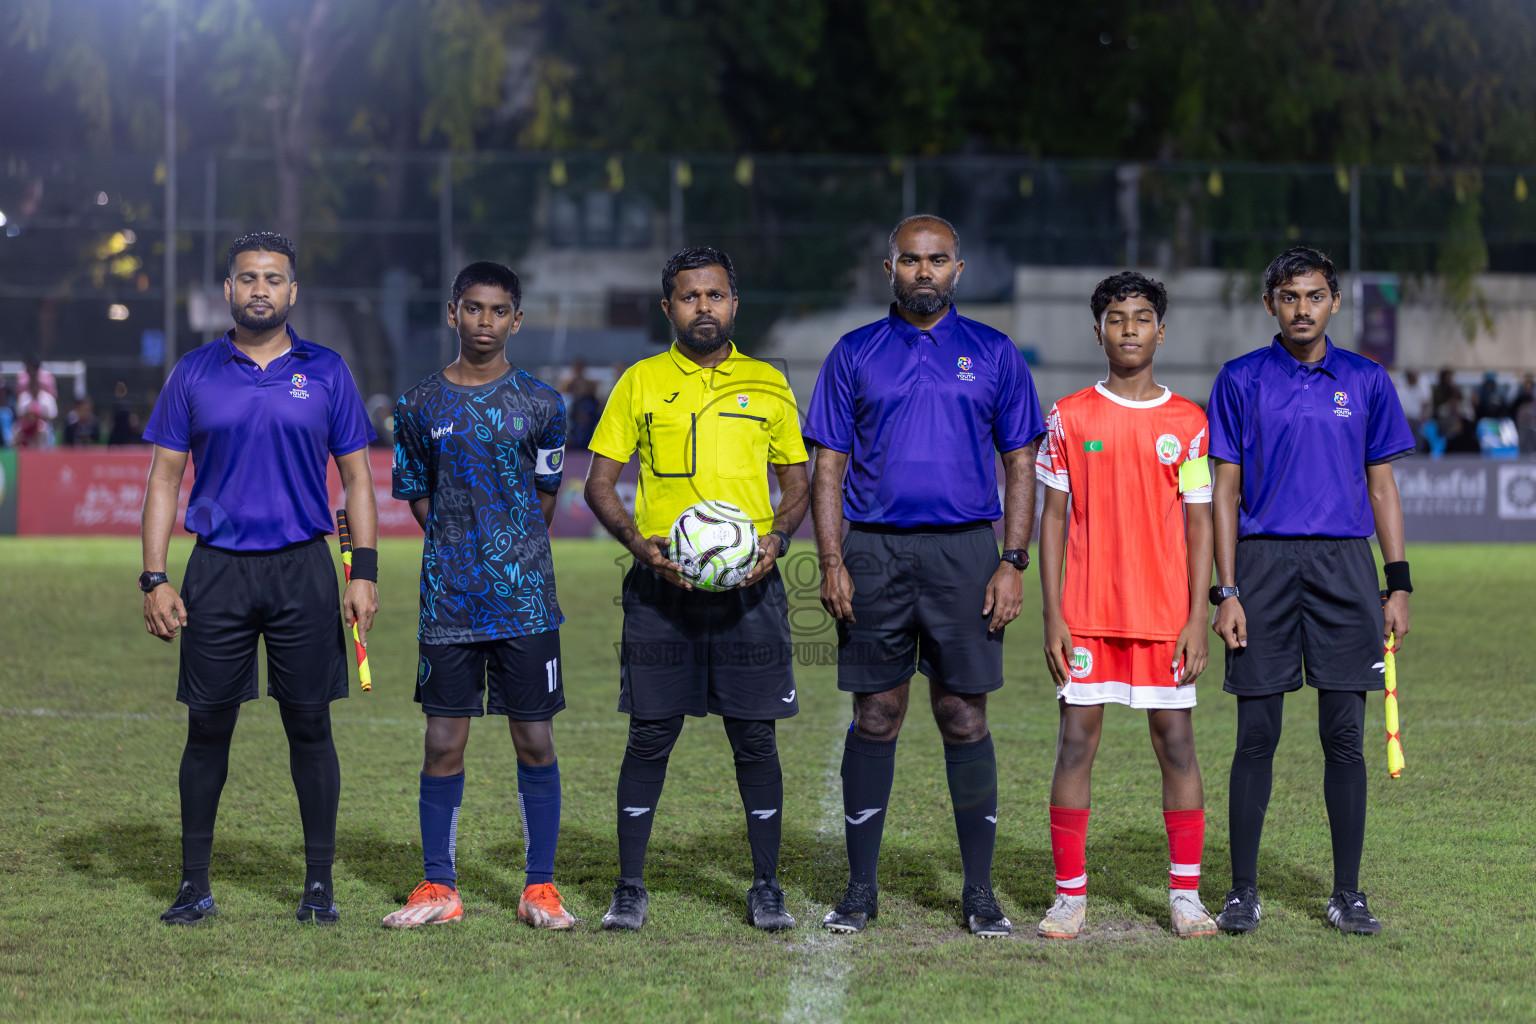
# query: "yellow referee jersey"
(703, 434)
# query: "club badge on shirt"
(299, 381)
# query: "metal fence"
(81, 246)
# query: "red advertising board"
(79, 491)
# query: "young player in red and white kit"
(1127, 626)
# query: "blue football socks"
(538, 798)
(440, 800)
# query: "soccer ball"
(715, 545)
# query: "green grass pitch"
(90, 738)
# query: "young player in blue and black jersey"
(478, 453)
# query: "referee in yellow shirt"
(707, 422)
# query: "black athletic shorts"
(1313, 605)
(522, 674)
(917, 599)
(287, 597)
(694, 652)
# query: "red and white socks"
(1069, 842)
(1069, 850)
(1186, 838)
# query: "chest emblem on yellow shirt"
(741, 401)
(670, 397)
(1168, 449)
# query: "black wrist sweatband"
(365, 564)
(1397, 577)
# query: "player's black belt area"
(976, 524)
(318, 539)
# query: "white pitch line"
(819, 987)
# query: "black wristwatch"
(1220, 594)
(783, 542)
(1017, 557)
(150, 580)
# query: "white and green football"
(715, 545)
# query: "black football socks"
(972, 772)
(204, 767)
(869, 767)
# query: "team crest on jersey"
(964, 363)
(741, 401)
(519, 424)
(1168, 448)
(1341, 404)
(423, 671)
(299, 380)
(1082, 662)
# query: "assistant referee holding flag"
(261, 412)
(1303, 435)
(909, 413)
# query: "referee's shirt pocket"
(674, 443)
(741, 445)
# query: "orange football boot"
(430, 903)
(541, 908)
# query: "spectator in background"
(33, 367)
(1416, 396)
(1445, 386)
(1490, 402)
(1457, 425)
(582, 412)
(125, 422)
(1523, 397)
(573, 376)
(1522, 408)
(81, 426)
(7, 414)
(36, 411)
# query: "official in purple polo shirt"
(907, 415)
(261, 412)
(1303, 435)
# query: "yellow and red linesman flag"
(1394, 742)
(364, 676)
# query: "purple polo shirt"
(1304, 436)
(921, 415)
(260, 440)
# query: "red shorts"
(1112, 669)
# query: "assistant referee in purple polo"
(1303, 435)
(261, 411)
(908, 415)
